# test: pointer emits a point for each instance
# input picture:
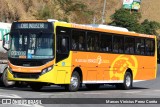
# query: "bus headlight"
(46, 70)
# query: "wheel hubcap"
(74, 82)
(128, 81)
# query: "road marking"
(9, 95)
(16, 96)
(132, 92)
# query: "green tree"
(130, 20)
(125, 18)
(150, 27)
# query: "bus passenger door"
(62, 54)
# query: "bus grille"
(26, 75)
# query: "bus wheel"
(5, 80)
(74, 83)
(93, 86)
(127, 83)
(36, 86)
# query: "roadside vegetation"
(131, 21)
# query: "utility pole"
(94, 20)
(103, 13)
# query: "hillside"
(150, 10)
(76, 11)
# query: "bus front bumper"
(54, 77)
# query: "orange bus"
(45, 52)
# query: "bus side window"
(147, 47)
(74, 45)
(118, 44)
(152, 48)
(129, 45)
(81, 44)
(92, 41)
(106, 43)
(78, 40)
(140, 46)
(115, 44)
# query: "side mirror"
(6, 42)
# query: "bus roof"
(104, 28)
(93, 27)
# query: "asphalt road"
(145, 89)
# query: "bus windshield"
(31, 45)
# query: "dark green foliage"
(125, 18)
(150, 27)
(130, 20)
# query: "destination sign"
(32, 26)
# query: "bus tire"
(92, 86)
(36, 86)
(5, 81)
(128, 80)
(74, 82)
(1, 83)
